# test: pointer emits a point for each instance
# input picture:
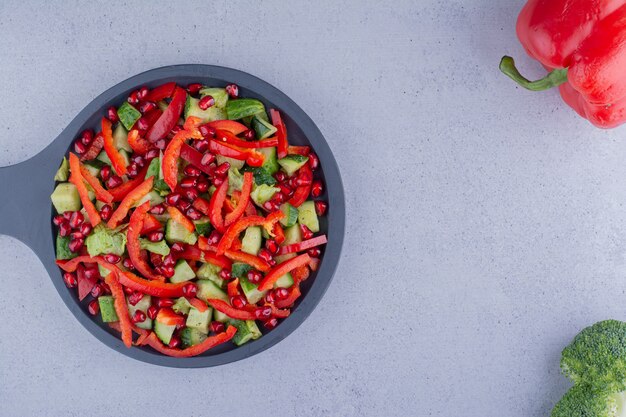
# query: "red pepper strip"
(119, 164)
(132, 242)
(208, 343)
(314, 264)
(85, 285)
(169, 118)
(137, 143)
(119, 302)
(303, 191)
(155, 288)
(179, 217)
(244, 198)
(150, 224)
(194, 157)
(168, 317)
(279, 233)
(271, 219)
(141, 332)
(231, 288)
(300, 274)
(198, 304)
(252, 158)
(227, 137)
(77, 179)
(228, 206)
(161, 92)
(192, 122)
(94, 149)
(101, 194)
(172, 153)
(281, 314)
(281, 269)
(294, 294)
(152, 116)
(216, 205)
(281, 133)
(233, 231)
(202, 205)
(250, 209)
(254, 261)
(236, 245)
(130, 200)
(231, 126)
(196, 254)
(121, 191)
(299, 150)
(304, 245)
(230, 311)
(203, 243)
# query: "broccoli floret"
(584, 401)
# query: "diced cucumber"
(293, 235)
(285, 281)
(219, 95)
(246, 331)
(154, 169)
(211, 114)
(159, 247)
(190, 336)
(239, 269)
(120, 138)
(104, 240)
(270, 164)
(63, 173)
(263, 128)
(125, 156)
(65, 198)
(162, 105)
(107, 309)
(210, 271)
(292, 163)
(176, 232)
(291, 215)
(93, 170)
(219, 316)
(63, 248)
(103, 271)
(235, 180)
(104, 158)
(153, 197)
(208, 289)
(181, 306)
(142, 305)
(164, 331)
(263, 193)
(252, 239)
(308, 217)
(182, 272)
(203, 226)
(161, 187)
(262, 176)
(251, 291)
(243, 107)
(199, 320)
(234, 163)
(128, 115)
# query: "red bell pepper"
(233, 231)
(208, 343)
(271, 219)
(150, 224)
(101, 194)
(154, 288)
(169, 118)
(314, 264)
(192, 123)
(198, 304)
(119, 164)
(228, 137)
(168, 317)
(279, 233)
(161, 92)
(299, 150)
(77, 179)
(143, 334)
(276, 312)
(302, 192)
(130, 200)
(244, 198)
(281, 133)
(216, 205)
(304, 245)
(294, 294)
(281, 269)
(194, 157)
(230, 311)
(94, 149)
(137, 143)
(119, 302)
(254, 261)
(300, 274)
(85, 285)
(134, 246)
(202, 205)
(122, 191)
(582, 45)
(231, 126)
(179, 217)
(194, 253)
(172, 153)
(252, 158)
(152, 116)
(203, 244)
(232, 288)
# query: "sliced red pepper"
(169, 118)
(192, 123)
(154, 288)
(101, 194)
(244, 198)
(294, 294)
(202, 205)
(122, 191)
(216, 205)
(279, 233)
(196, 254)
(252, 158)
(281, 133)
(150, 224)
(134, 246)
(119, 302)
(281, 269)
(230, 311)
(194, 157)
(302, 192)
(232, 288)
(118, 162)
(198, 304)
(300, 274)
(233, 231)
(152, 116)
(77, 179)
(228, 206)
(304, 245)
(208, 343)
(271, 219)
(172, 153)
(254, 261)
(137, 143)
(179, 217)
(231, 126)
(314, 264)
(168, 317)
(143, 334)
(298, 150)
(94, 149)
(161, 92)
(129, 201)
(227, 137)
(276, 312)
(203, 243)
(85, 285)
(250, 209)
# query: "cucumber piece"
(142, 305)
(263, 128)
(107, 309)
(203, 226)
(120, 138)
(239, 269)
(181, 306)
(246, 331)
(182, 272)
(103, 271)
(104, 158)
(263, 193)
(190, 336)
(153, 197)
(252, 239)
(235, 180)
(251, 291)
(93, 170)
(128, 115)
(209, 115)
(159, 247)
(126, 156)
(209, 289)
(199, 320)
(210, 271)
(164, 332)
(65, 198)
(103, 240)
(176, 232)
(219, 316)
(270, 164)
(234, 163)
(154, 169)
(291, 215)
(262, 176)
(63, 173)
(243, 107)
(285, 281)
(219, 95)
(292, 163)
(308, 217)
(63, 248)
(161, 187)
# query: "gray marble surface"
(485, 224)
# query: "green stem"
(553, 79)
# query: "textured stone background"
(485, 223)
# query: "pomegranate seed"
(249, 134)
(178, 247)
(194, 88)
(105, 172)
(138, 159)
(192, 171)
(285, 189)
(155, 236)
(232, 90)
(320, 207)
(263, 313)
(269, 297)
(112, 258)
(214, 237)
(281, 293)
(165, 302)
(151, 154)
(293, 182)
(280, 176)
(203, 185)
(206, 130)
(303, 180)
(57, 220)
(314, 252)
(133, 170)
(190, 290)
(160, 144)
(97, 291)
(70, 280)
(133, 97)
(193, 214)
(254, 276)
(183, 204)
(217, 327)
(128, 264)
(105, 212)
(143, 92)
(222, 169)
(142, 124)
(238, 301)
(114, 181)
(169, 260)
(158, 209)
(79, 147)
(206, 102)
(112, 114)
(225, 274)
(152, 312)
(270, 205)
(265, 255)
(135, 297)
(86, 140)
(188, 182)
(279, 198)
(272, 246)
(77, 219)
(314, 161)
(92, 273)
(139, 317)
(168, 271)
(174, 342)
(317, 188)
(306, 232)
(211, 170)
(76, 245)
(77, 235)
(67, 215)
(207, 159)
(128, 291)
(93, 307)
(270, 324)
(172, 199)
(85, 229)
(64, 228)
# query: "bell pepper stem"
(553, 79)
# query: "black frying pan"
(26, 211)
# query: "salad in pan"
(188, 220)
